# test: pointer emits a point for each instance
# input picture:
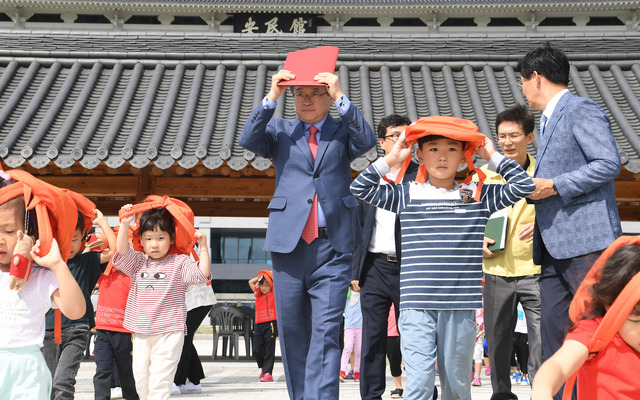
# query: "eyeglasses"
(394, 138)
(520, 83)
(312, 96)
(511, 135)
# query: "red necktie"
(310, 231)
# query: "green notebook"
(497, 230)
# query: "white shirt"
(22, 312)
(200, 295)
(383, 239)
(551, 106)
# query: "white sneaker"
(189, 387)
(175, 389)
(116, 393)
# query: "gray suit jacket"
(298, 178)
(577, 151)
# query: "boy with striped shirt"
(442, 231)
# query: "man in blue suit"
(313, 226)
(575, 201)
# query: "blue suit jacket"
(298, 178)
(577, 151)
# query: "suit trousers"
(501, 297)
(559, 281)
(310, 286)
(381, 288)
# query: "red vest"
(265, 307)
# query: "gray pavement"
(229, 379)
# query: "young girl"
(609, 375)
(23, 371)
(352, 336)
(156, 310)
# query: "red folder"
(307, 63)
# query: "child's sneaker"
(116, 393)
(487, 371)
(476, 381)
(175, 389)
(266, 377)
(515, 379)
(356, 376)
(349, 375)
(524, 381)
(342, 375)
(190, 387)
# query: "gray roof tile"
(145, 100)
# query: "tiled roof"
(294, 4)
(162, 99)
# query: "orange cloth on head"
(450, 127)
(184, 235)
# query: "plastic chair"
(226, 322)
(247, 327)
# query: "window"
(238, 248)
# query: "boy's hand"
(486, 150)
(129, 218)
(400, 151)
(277, 91)
(333, 84)
(51, 260)
(201, 238)
(99, 217)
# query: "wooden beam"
(98, 186)
(216, 187)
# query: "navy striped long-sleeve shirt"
(442, 236)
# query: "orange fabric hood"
(450, 127)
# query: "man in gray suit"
(575, 201)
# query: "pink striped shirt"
(156, 302)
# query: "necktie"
(310, 231)
(543, 122)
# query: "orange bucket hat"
(182, 216)
(85, 206)
(266, 275)
(450, 127)
(56, 213)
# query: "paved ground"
(239, 380)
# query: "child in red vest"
(609, 374)
(113, 341)
(266, 327)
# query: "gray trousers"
(64, 359)
(501, 298)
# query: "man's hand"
(277, 91)
(354, 286)
(400, 151)
(544, 189)
(486, 150)
(333, 84)
(486, 253)
(526, 232)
